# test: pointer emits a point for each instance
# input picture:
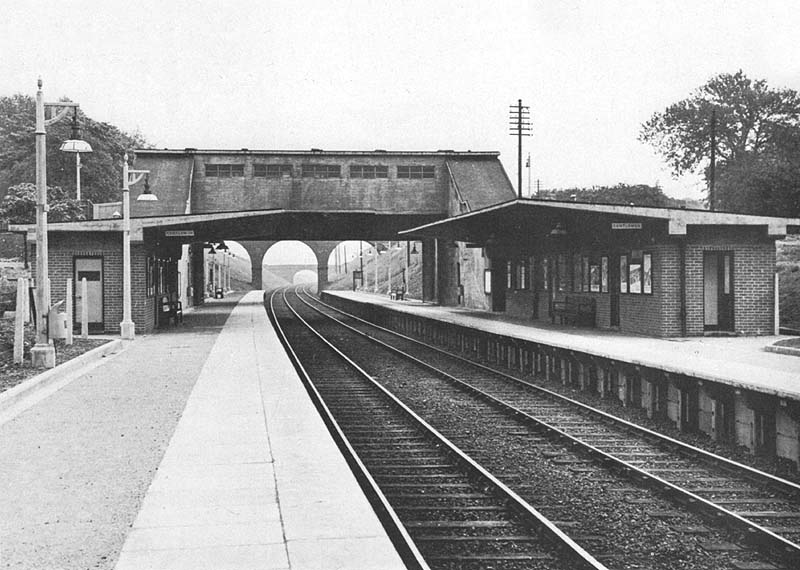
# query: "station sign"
(179, 233)
(626, 225)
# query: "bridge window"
(369, 171)
(272, 170)
(321, 171)
(416, 171)
(224, 170)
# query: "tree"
(637, 194)
(19, 205)
(753, 127)
(101, 172)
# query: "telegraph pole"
(711, 191)
(520, 125)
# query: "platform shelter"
(662, 272)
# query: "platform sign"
(626, 225)
(179, 233)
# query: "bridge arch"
(258, 249)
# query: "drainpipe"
(682, 263)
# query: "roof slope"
(170, 180)
(481, 183)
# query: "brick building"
(642, 270)
(652, 271)
(255, 198)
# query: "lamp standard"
(76, 145)
(127, 327)
(43, 353)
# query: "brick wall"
(65, 247)
(659, 313)
(753, 279)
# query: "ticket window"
(90, 268)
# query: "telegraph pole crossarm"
(520, 125)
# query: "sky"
(400, 75)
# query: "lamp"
(43, 353)
(222, 246)
(147, 195)
(558, 230)
(76, 145)
(127, 327)
(211, 250)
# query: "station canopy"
(533, 219)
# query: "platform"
(737, 361)
(247, 475)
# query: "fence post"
(68, 341)
(84, 310)
(19, 320)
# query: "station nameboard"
(626, 225)
(179, 233)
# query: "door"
(90, 268)
(718, 291)
(499, 278)
(613, 287)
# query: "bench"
(575, 310)
(397, 293)
(171, 310)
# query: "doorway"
(91, 269)
(499, 278)
(613, 287)
(718, 291)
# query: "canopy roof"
(481, 225)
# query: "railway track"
(756, 509)
(445, 510)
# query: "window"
(416, 172)
(604, 274)
(369, 171)
(594, 278)
(623, 273)
(487, 281)
(639, 274)
(577, 281)
(522, 274)
(224, 170)
(509, 275)
(562, 271)
(545, 274)
(635, 272)
(321, 171)
(272, 170)
(585, 273)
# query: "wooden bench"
(398, 293)
(575, 310)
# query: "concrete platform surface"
(196, 447)
(738, 361)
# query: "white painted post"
(68, 341)
(777, 330)
(19, 320)
(84, 310)
(26, 303)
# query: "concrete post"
(84, 309)
(68, 341)
(19, 320)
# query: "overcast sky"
(357, 75)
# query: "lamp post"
(127, 327)
(76, 145)
(43, 353)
